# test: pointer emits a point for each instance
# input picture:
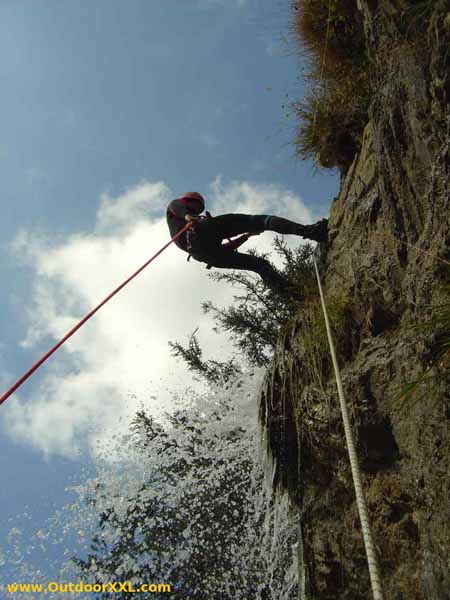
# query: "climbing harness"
(230, 245)
(362, 508)
(86, 318)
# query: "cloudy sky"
(110, 110)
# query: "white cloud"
(120, 358)
(254, 198)
(141, 201)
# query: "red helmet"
(198, 198)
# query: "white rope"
(362, 508)
(372, 562)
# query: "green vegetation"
(315, 352)
(333, 113)
(255, 317)
(213, 371)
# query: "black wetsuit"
(203, 241)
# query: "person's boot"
(280, 225)
(318, 232)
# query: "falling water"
(219, 457)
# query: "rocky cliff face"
(389, 239)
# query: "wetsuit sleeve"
(178, 209)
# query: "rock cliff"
(382, 269)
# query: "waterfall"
(199, 478)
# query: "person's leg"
(230, 225)
(228, 259)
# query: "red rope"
(83, 321)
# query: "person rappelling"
(204, 239)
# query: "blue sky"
(110, 109)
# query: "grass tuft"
(333, 113)
(331, 25)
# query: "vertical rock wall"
(389, 240)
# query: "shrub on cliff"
(255, 317)
(333, 113)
